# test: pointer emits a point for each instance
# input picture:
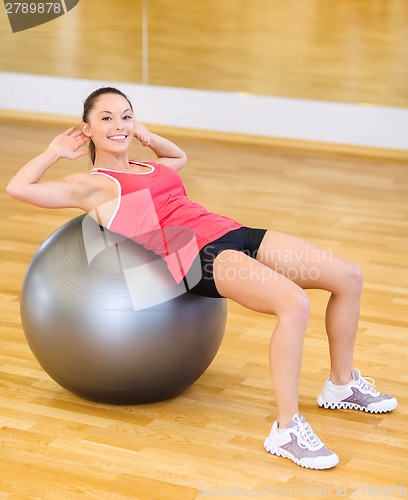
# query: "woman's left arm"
(166, 151)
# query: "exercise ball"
(106, 321)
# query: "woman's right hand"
(68, 144)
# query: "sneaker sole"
(352, 406)
(279, 452)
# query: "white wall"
(350, 124)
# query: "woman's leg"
(258, 287)
(309, 266)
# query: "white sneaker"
(299, 443)
(358, 394)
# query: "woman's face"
(111, 126)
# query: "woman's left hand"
(142, 134)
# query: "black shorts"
(244, 239)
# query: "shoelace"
(307, 438)
(366, 383)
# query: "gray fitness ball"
(106, 321)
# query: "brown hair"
(89, 104)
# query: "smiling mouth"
(118, 137)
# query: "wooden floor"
(342, 50)
(208, 442)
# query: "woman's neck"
(115, 162)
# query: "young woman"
(261, 269)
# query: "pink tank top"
(153, 210)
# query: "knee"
(353, 279)
(296, 309)
(301, 304)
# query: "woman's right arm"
(65, 193)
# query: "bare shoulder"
(82, 178)
(93, 189)
(91, 181)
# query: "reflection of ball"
(82, 325)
